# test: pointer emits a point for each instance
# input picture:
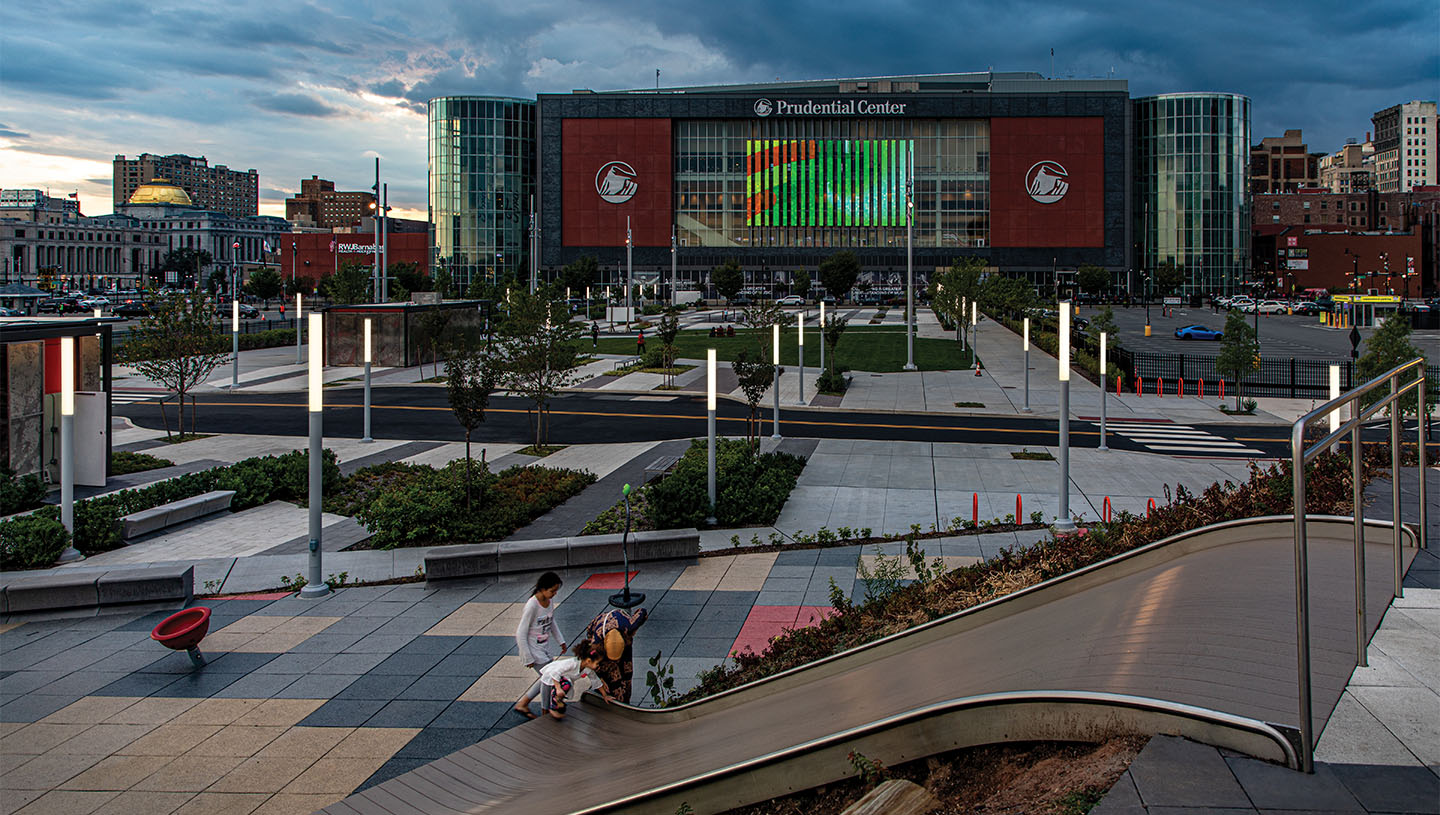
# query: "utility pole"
(375, 276)
(909, 260)
(384, 244)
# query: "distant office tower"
(1405, 146)
(319, 205)
(1282, 164)
(217, 188)
(1192, 198)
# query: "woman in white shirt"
(537, 638)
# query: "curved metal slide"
(1193, 635)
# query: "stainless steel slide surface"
(1205, 619)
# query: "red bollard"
(1018, 512)
(1139, 386)
(1105, 510)
(1160, 386)
(1202, 389)
(975, 508)
(1117, 384)
(1149, 507)
(1182, 387)
(1222, 390)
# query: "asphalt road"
(423, 413)
(1281, 335)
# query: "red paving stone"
(607, 580)
(766, 622)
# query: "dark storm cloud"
(7, 133)
(294, 104)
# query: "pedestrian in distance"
(640, 344)
(537, 638)
(594, 334)
(564, 680)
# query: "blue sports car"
(1197, 332)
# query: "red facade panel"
(1047, 182)
(316, 254)
(614, 168)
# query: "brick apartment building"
(217, 188)
(1280, 164)
(319, 205)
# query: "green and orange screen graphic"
(823, 182)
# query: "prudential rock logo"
(1045, 181)
(616, 182)
(763, 107)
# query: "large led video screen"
(826, 182)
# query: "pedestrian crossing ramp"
(1179, 439)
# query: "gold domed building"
(160, 191)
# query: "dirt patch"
(1034, 778)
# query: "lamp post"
(367, 437)
(674, 281)
(1063, 523)
(315, 583)
(234, 343)
(1147, 304)
(629, 275)
(909, 260)
(299, 328)
(800, 383)
(1104, 358)
(67, 446)
(1027, 365)
(822, 337)
(975, 335)
(710, 423)
(775, 383)
(960, 323)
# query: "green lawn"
(863, 348)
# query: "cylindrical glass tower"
(482, 178)
(1192, 201)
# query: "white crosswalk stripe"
(128, 397)
(1178, 439)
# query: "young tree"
(728, 279)
(801, 284)
(755, 373)
(667, 330)
(580, 273)
(1169, 277)
(432, 324)
(1104, 320)
(186, 263)
(538, 348)
(176, 347)
(1239, 351)
(1388, 347)
(264, 284)
(1092, 279)
(409, 275)
(299, 284)
(470, 378)
(218, 279)
(831, 380)
(443, 282)
(839, 272)
(352, 284)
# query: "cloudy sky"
(300, 87)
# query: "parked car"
(829, 300)
(791, 300)
(1306, 307)
(1197, 332)
(95, 301)
(1271, 307)
(134, 308)
(11, 312)
(247, 311)
(58, 305)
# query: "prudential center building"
(1034, 176)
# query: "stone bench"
(508, 557)
(176, 512)
(659, 467)
(82, 588)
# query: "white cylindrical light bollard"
(1104, 358)
(1062, 521)
(98, 312)
(775, 380)
(67, 445)
(974, 334)
(1334, 394)
(800, 382)
(1064, 342)
(366, 437)
(822, 337)
(710, 421)
(299, 328)
(315, 581)
(1027, 365)
(234, 343)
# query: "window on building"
(1307, 204)
(1307, 219)
(1274, 219)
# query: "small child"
(564, 679)
(537, 638)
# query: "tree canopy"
(175, 346)
(728, 279)
(1388, 347)
(839, 272)
(1239, 351)
(1092, 279)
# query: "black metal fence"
(1278, 376)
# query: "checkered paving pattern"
(305, 701)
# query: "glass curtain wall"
(831, 183)
(482, 170)
(1192, 202)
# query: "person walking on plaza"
(613, 632)
(594, 334)
(537, 637)
(640, 344)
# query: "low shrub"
(274, 338)
(831, 382)
(417, 505)
(1266, 492)
(19, 493)
(124, 463)
(31, 542)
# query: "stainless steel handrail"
(1300, 454)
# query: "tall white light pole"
(710, 422)
(1104, 360)
(975, 335)
(534, 249)
(822, 337)
(368, 357)
(1063, 522)
(1027, 366)
(67, 446)
(384, 243)
(775, 380)
(674, 280)
(960, 322)
(315, 582)
(299, 328)
(234, 343)
(909, 260)
(629, 274)
(375, 275)
(800, 323)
